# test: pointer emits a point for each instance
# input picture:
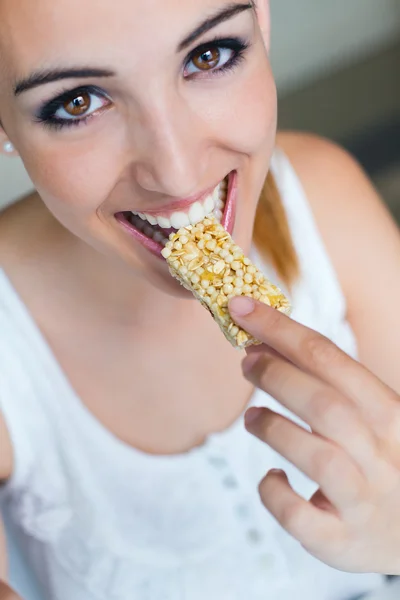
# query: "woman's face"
(138, 106)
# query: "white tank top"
(100, 520)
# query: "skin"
(97, 296)
(136, 156)
(355, 439)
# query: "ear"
(264, 20)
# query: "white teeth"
(196, 213)
(179, 219)
(218, 214)
(209, 204)
(164, 223)
(152, 220)
(221, 204)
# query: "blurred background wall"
(13, 180)
(337, 66)
(313, 37)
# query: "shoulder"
(333, 180)
(347, 208)
(361, 238)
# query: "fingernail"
(252, 415)
(276, 472)
(241, 306)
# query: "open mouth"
(152, 230)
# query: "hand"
(352, 523)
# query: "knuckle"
(332, 466)
(318, 351)
(327, 464)
(326, 406)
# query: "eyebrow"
(45, 76)
(224, 14)
(50, 75)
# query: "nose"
(171, 150)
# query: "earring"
(8, 147)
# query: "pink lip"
(228, 219)
(229, 216)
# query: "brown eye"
(208, 59)
(78, 106)
(214, 57)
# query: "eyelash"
(46, 114)
(238, 46)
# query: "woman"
(125, 462)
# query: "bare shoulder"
(336, 185)
(362, 240)
(348, 210)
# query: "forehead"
(34, 33)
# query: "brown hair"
(272, 234)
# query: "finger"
(315, 354)
(322, 461)
(326, 411)
(312, 527)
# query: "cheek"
(254, 114)
(73, 179)
(248, 118)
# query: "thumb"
(256, 318)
